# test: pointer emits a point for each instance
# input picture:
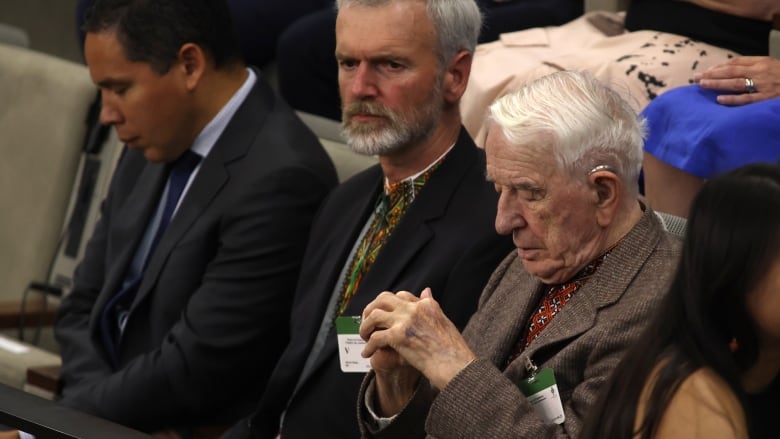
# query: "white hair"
(457, 23)
(576, 119)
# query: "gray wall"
(50, 24)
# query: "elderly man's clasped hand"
(406, 334)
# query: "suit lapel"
(605, 287)
(414, 230)
(207, 184)
(411, 235)
(212, 176)
(345, 232)
(129, 225)
(394, 258)
(312, 303)
(510, 306)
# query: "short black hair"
(153, 31)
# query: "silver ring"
(750, 87)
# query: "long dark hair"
(731, 240)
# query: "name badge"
(351, 345)
(541, 391)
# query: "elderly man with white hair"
(592, 261)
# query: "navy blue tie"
(180, 173)
(114, 314)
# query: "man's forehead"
(373, 49)
(498, 149)
(395, 24)
(502, 168)
(512, 164)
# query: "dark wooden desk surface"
(47, 419)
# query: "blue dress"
(689, 130)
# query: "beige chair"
(13, 36)
(15, 360)
(676, 225)
(94, 175)
(42, 121)
(347, 162)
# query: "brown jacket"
(582, 345)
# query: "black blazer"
(446, 241)
(210, 317)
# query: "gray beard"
(393, 132)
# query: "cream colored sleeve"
(703, 408)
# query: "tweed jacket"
(582, 345)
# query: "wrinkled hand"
(402, 330)
(730, 76)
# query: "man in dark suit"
(401, 78)
(180, 327)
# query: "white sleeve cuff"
(379, 421)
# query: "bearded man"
(423, 217)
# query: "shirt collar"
(210, 133)
(411, 178)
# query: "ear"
(456, 77)
(605, 187)
(192, 64)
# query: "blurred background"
(50, 25)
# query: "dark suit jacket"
(446, 241)
(582, 345)
(210, 317)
